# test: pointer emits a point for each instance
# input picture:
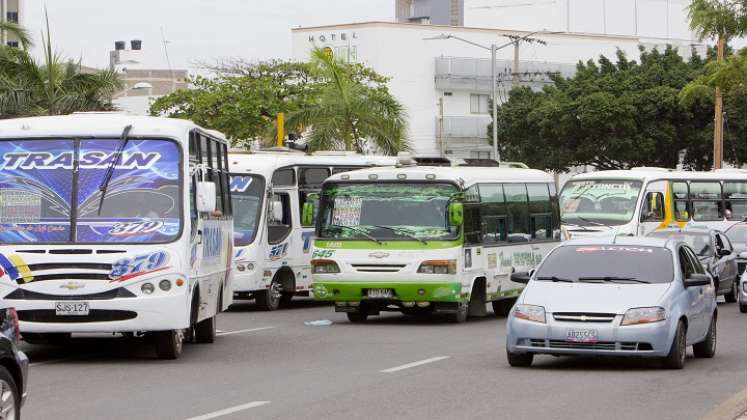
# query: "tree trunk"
(718, 133)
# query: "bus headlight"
(438, 267)
(147, 288)
(164, 285)
(324, 267)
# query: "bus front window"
(387, 211)
(247, 193)
(599, 202)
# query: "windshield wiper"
(402, 231)
(359, 231)
(577, 225)
(554, 279)
(123, 140)
(612, 279)
(591, 222)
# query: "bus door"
(654, 212)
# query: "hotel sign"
(331, 37)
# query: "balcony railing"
(467, 127)
(474, 73)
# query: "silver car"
(615, 296)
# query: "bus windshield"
(43, 199)
(247, 193)
(387, 211)
(605, 202)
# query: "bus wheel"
(503, 306)
(460, 316)
(169, 344)
(205, 330)
(269, 300)
(285, 298)
(357, 317)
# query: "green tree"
(722, 20)
(347, 113)
(17, 31)
(611, 115)
(53, 87)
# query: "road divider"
(230, 410)
(414, 364)
(222, 333)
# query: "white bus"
(272, 242)
(424, 240)
(113, 223)
(640, 200)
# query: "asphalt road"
(269, 365)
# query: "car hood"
(593, 297)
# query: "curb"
(731, 409)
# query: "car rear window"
(643, 263)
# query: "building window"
(474, 154)
(478, 104)
(13, 44)
(12, 17)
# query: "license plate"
(71, 308)
(582, 336)
(380, 293)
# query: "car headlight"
(324, 267)
(438, 267)
(637, 316)
(530, 313)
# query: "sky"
(196, 30)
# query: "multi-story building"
(445, 85)
(435, 12)
(9, 12)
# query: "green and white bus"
(427, 240)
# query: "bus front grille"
(21, 294)
(95, 315)
(378, 268)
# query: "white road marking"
(230, 410)
(414, 364)
(222, 333)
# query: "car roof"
(623, 241)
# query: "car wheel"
(742, 304)
(169, 344)
(707, 348)
(731, 296)
(519, 359)
(10, 398)
(269, 300)
(676, 357)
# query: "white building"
(426, 73)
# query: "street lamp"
(493, 48)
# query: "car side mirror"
(520, 277)
(697, 280)
(724, 252)
(206, 197)
(742, 255)
(456, 213)
(307, 218)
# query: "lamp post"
(493, 49)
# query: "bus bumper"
(145, 313)
(250, 280)
(403, 291)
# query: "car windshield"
(700, 242)
(247, 194)
(603, 201)
(614, 264)
(387, 211)
(43, 200)
(737, 234)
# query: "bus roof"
(648, 174)
(464, 175)
(266, 163)
(99, 124)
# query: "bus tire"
(269, 300)
(56, 339)
(502, 307)
(285, 298)
(205, 330)
(357, 317)
(169, 344)
(461, 314)
(12, 407)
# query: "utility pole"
(441, 126)
(494, 86)
(515, 69)
(718, 129)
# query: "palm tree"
(723, 20)
(53, 87)
(348, 113)
(19, 32)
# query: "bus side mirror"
(307, 217)
(276, 212)
(456, 213)
(206, 197)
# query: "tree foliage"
(722, 19)
(52, 87)
(611, 115)
(242, 99)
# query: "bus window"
(194, 148)
(279, 227)
(555, 211)
(493, 213)
(340, 169)
(653, 207)
(284, 178)
(472, 223)
(214, 169)
(518, 212)
(680, 194)
(735, 194)
(706, 201)
(312, 178)
(540, 212)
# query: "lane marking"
(222, 333)
(230, 410)
(414, 364)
